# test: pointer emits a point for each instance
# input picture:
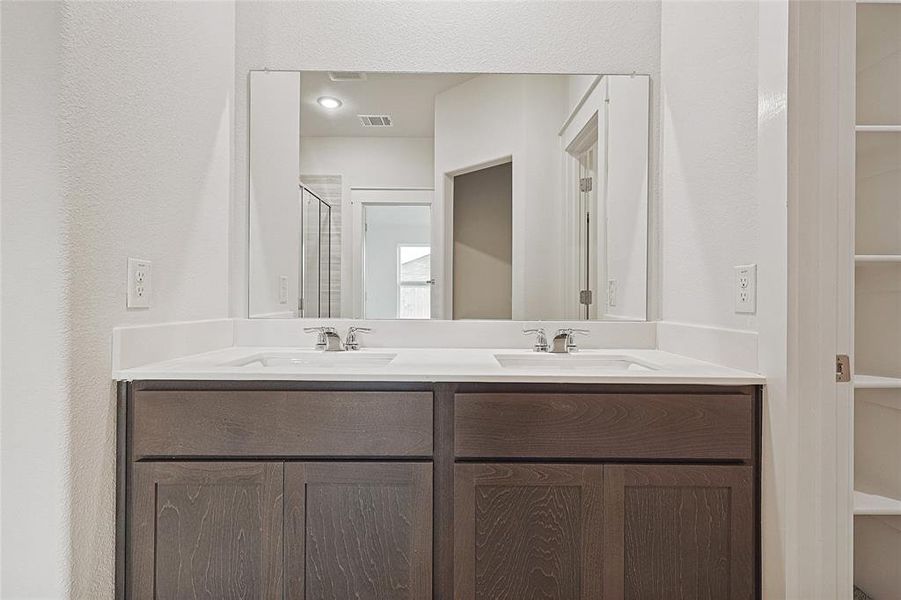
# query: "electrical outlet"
(283, 289)
(611, 292)
(139, 282)
(746, 289)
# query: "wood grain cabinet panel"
(677, 532)
(206, 530)
(528, 531)
(275, 424)
(358, 531)
(605, 426)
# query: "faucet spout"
(564, 340)
(327, 339)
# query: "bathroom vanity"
(294, 486)
(449, 458)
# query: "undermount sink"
(605, 363)
(315, 359)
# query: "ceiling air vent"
(347, 75)
(376, 120)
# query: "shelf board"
(878, 128)
(871, 504)
(877, 258)
(876, 382)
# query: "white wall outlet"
(611, 292)
(283, 289)
(746, 289)
(139, 282)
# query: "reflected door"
(591, 235)
(397, 260)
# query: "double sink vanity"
(395, 473)
(428, 449)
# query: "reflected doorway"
(483, 243)
(397, 261)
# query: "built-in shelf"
(872, 504)
(876, 382)
(878, 128)
(877, 258)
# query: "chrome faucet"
(327, 338)
(350, 341)
(564, 340)
(540, 339)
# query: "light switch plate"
(746, 289)
(611, 292)
(138, 285)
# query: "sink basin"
(317, 360)
(593, 363)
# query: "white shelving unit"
(875, 505)
(878, 128)
(876, 382)
(877, 258)
(877, 320)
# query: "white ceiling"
(408, 97)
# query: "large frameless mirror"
(448, 195)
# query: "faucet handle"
(572, 330)
(319, 329)
(541, 344)
(350, 342)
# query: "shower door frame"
(301, 288)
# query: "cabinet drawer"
(689, 426)
(268, 423)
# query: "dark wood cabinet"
(358, 530)
(528, 531)
(449, 491)
(211, 530)
(605, 426)
(675, 532)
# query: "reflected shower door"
(316, 261)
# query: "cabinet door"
(676, 532)
(211, 530)
(358, 530)
(526, 532)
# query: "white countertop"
(475, 365)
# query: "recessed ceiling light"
(328, 102)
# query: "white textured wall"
(34, 438)
(626, 190)
(555, 37)
(134, 115)
(275, 197)
(709, 218)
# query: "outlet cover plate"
(139, 282)
(746, 289)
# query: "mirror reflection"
(448, 195)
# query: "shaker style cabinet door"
(360, 531)
(676, 532)
(206, 530)
(527, 531)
